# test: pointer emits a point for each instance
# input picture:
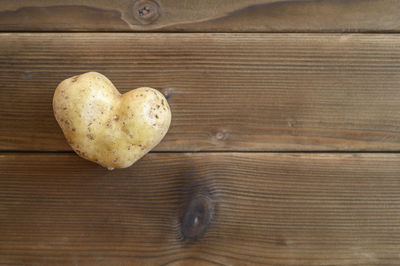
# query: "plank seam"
(217, 151)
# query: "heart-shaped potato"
(108, 128)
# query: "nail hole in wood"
(146, 11)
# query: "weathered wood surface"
(276, 209)
(204, 16)
(227, 92)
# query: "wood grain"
(228, 92)
(204, 16)
(275, 209)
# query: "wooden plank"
(205, 16)
(276, 209)
(227, 91)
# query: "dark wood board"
(270, 208)
(201, 16)
(284, 147)
(228, 92)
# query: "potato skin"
(108, 128)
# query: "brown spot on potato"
(65, 108)
(116, 118)
(90, 136)
(156, 116)
(73, 129)
(74, 78)
(162, 101)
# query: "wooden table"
(283, 149)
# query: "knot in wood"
(221, 135)
(197, 217)
(146, 11)
(167, 92)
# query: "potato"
(108, 128)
